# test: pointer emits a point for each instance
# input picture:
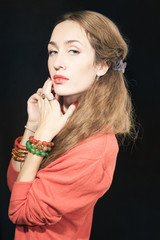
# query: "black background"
(130, 209)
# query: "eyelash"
(52, 51)
(75, 52)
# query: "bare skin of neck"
(68, 100)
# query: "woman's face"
(71, 59)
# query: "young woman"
(69, 148)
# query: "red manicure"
(48, 78)
(75, 104)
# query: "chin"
(64, 93)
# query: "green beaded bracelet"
(35, 151)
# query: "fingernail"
(75, 104)
(48, 78)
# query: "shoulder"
(96, 146)
(102, 147)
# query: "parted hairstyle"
(106, 106)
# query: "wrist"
(43, 136)
(31, 126)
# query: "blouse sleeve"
(66, 186)
(12, 175)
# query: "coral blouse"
(59, 203)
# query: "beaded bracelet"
(33, 150)
(40, 143)
(40, 148)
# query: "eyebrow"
(66, 42)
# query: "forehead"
(69, 30)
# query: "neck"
(68, 100)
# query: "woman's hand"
(51, 119)
(33, 108)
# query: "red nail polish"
(75, 104)
(48, 78)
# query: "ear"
(102, 68)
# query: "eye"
(52, 52)
(74, 52)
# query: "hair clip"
(120, 65)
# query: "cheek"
(48, 65)
(83, 77)
(88, 73)
(86, 69)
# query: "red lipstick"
(59, 79)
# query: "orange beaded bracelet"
(40, 143)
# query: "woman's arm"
(29, 131)
(72, 184)
(31, 126)
(51, 121)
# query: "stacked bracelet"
(19, 152)
(40, 148)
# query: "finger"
(48, 83)
(70, 111)
(34, 98)
(45, 86)
(48, 90)
(42, 108)
(45, 83)
(47, 105)
(55, 106)
(54, 103)
(39, 91)
(50, 96)
(40, 103)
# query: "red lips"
(60, 76)
(59, 79)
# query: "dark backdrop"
(130, 209)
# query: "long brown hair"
(106, 106)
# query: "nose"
(59, 62)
